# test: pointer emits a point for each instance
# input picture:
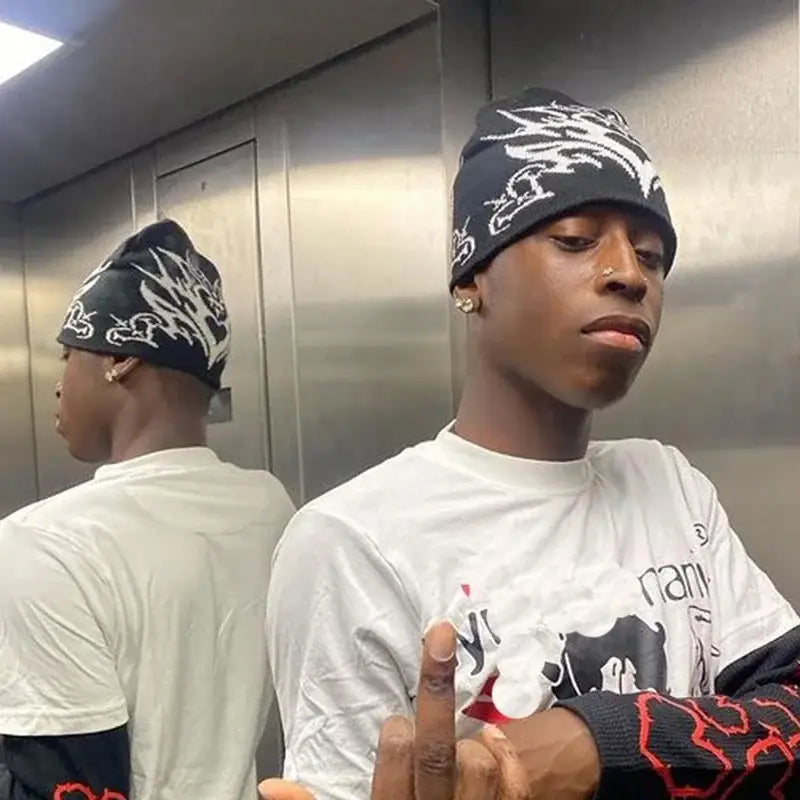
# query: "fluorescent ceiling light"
(19, 49)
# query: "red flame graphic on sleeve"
(727, 733)
(67, 791)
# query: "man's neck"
(502, 417)
(157, 435)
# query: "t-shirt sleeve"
(748, 610)
(344, 645)
(57, 672)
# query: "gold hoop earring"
(111, 375)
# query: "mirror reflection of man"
(132, 605)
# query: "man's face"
(573, 309)
(84, 409)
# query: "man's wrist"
(559, 753)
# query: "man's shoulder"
(393, 482)
(57, 512)
(256, 492)
(637, 453)
(42, 544)
(651, 469)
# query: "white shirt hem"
(45, 722)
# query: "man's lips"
(620, 331)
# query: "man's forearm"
(742, 742)
(657, 747)
(11, 789)
(5, 782)
(53, 767)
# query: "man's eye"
(573, 244)
(651, 259)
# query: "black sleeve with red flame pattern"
(740, 744)
(94, 766)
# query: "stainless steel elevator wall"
(352, 168)
(17, 468)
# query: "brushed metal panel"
(205, 139)
(758, 487)
(367, 208)
(713, 89)
(466, 86)
(215, 201)
(465, 73)
(278, 297)
(143, 188)
(66, 235)
(719, 74)
(17, 464)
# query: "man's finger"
(274, 789)
(434, 744)
(478, 771)
(393, 778)
(513, 777)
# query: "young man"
(132, 606)
(602, 578)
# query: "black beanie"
(156, 298)
(537, 156)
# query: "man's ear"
(119, 369)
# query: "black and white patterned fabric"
(539, 155)
(156, 298)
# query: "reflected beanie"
(156, 298)
(536, 156)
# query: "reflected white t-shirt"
(618, 571)
(139, 597)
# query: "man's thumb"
(274, 789)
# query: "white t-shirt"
(139, 597)
(619, 571)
